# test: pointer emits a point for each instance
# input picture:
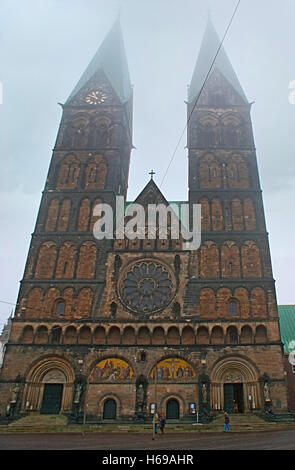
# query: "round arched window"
(233, 308)
(146, 287)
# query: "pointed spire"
(111, 59)
(209, 47)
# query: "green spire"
(110, 59)
(208, 50)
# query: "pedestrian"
(155, 424)
(162, 422)
(226, 423)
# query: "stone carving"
(204, 393)
(15, 393)
(140, 398)
(54, 376)
(78, 392)
(266, 392)
(233, 378)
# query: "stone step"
(286, 417)
(40, 421)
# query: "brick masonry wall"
(262, 359)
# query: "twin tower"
(115, 329)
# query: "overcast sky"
(47, 44)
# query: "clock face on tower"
(96, 97)
(147, 287)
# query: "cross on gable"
(152, 173)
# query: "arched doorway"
(233, 398)
(52, 391)
(49, 386)
(52, 397)
(172, 409)
(109, 409)
(235, 386)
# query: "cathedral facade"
(113, 329)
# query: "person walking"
(155, 424)
(162, 422)
(226, 423)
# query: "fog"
(47, 44)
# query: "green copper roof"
(208, 50)
(287, 326)
(111, 59)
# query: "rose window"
(147, 287)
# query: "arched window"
(46, 260)
(60, 308)
(233, 308)
(65, 261)
(230, 259)
(64, 215)
(83, 215)
(251, 260)
(207, 302)
(95, 175)
(52, 214)
(209, 262)
(86, 261)
(109, 409)
(34, 303)
(84, 303)
(100, 136)
(68, 173)
(237, 172)
(76, 132)
(216, 214)
(209, 172)
(205, 214)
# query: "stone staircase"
(238, 423)
(251, 421)
(39, 422)
(286, 417)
